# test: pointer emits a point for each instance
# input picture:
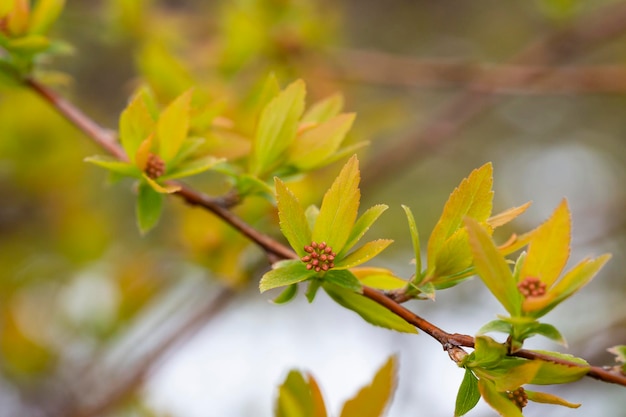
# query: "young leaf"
(555, 373)
(472, 198)
(289, 272)
(363, 254)
(551, 332)
(287, 295)
(487, 352)
(372, 400)
(115, 165)
(313, 147)
(468, 395)
(498, 400)
(571, 282)
(380, 278)
(292, 220)
(324, 110)
(339, 208)
(506, 216)
(344, 279)
(545, 398)
(549, 248)
(415, 239)
(149, 207)
(277, 127)
(173, 125)
(492, 268)
(194, 167)
(43, 16)
(517, 376)
(496, 326)
(136, 124)
(299, 398)
(362, 225)
(620, 355)
(163, 189)
(369, 310)
(319, 408)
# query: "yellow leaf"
(372, 400)
(173, 125)
(507, 215)
(549, 247)
(143, 153)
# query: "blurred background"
(96, 320)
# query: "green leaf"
(545, 398)
(468, 395)
(277, 127)
(454, 257)
(415, 240)
(554, 373)
(372, 400)
(380, 278)
(496, 326)
(149, 207)
(571, 282)
(314, 146)
(193, 167)
(363, 254)
(339, 208)
(472, 198)
(497, 400)
(287, 273)
(248, 185)
(549, 331)
(324, 110)
(30, 44)
(43, 15)
(311, 291)
(362, 225)
(344, 279)
(115, 165)
(492, 268)
(516, 376)
(287, 295)
(136, 124)
(298, 398)
(487, 352)
(369, 310)
(187, 149)
(292, 220)
(549, 248)
(173, 125)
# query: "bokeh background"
(98, 320)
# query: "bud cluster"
(519, 397)
(531, 287)
(320, 257)
(155, 167)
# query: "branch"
(558, 48)
(402, 71)
(452, 343)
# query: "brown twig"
(401, 71)
(560, 47)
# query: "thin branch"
(401, 71)
(558, 48)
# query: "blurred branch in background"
(558, 48)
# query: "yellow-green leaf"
(324, 109)
(344, 279)
(288, 272)
(136, 124)
(517, 376)
(545, 398)
(292, 220)
(162, 189)
(362, 225)
(572, 281)
(44, 14)
(115, 165)
(363, 254)
(492, 268)
(277, 128)
(497, 400)
(550, 373)
(369, 310)
(287, 295)
(339, 208)
(549, 247)
(314, 146)
(193, 167)
(30, 44)
(173, 125)
(380, 278)
(372, 400)
(506, 216)
(298, 397)
(415, 240)
(472, 198)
